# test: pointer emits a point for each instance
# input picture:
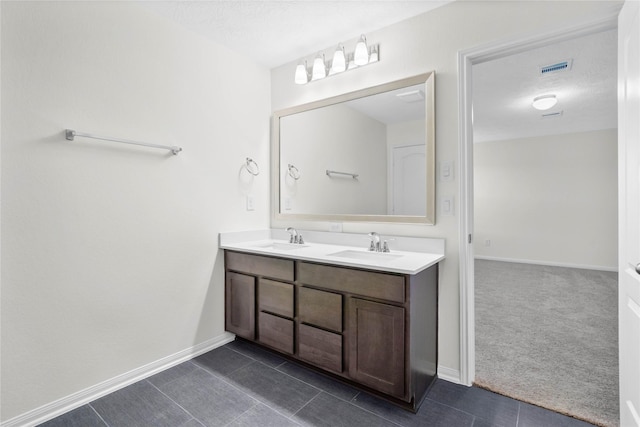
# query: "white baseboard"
(448, 374)
(549, 263)
(76, 400)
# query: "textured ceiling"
(503, 90)
(273, 33)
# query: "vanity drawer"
(321, 348)
(275, 332)
(258, 265)
(366, 283)
(275, 297)
(320, 308)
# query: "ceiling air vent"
(555, 68)
(551, 115)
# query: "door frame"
(466, 59)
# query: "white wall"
(421, 44)
(548, 199)
(109, 252)
(313, 147)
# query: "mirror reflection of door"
(409, 177)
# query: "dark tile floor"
(240, 384)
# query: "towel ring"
(293, 172)
(252, 166)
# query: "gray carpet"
(549, 336)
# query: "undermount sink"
(366, 255)
(281, 246)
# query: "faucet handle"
(300, 239)
(385, 247)
(372, 247)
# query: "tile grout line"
(174, 402)
(225, 380)
(98, 414)
(373, 413)
(454, 408)
(236, 418)
(232, 384)
(349, 402)
(305, 405)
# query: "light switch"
(446, 171)
(446, 205)
(287, 203)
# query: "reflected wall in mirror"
(363, 156)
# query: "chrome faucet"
(295, 237)
(375, 242)
(375, 245)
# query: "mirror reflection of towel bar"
(352, 175)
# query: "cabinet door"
(240, 305)
(376, 346)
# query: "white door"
(629, 211)
(409, 176)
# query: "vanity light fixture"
(544, 102)
(361, 54)
(373, 56)
(341, 61)
(319, 68)
(302, 75)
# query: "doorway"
(467, 59)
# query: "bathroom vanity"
(368, 318)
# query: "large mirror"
(363, 156)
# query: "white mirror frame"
(277, 169)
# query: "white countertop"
(409, 255)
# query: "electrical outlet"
(335, 227)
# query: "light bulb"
(319, 68)
(544, 102)
(373, 57)
(302, 77)
(361, 55)
(338, 64)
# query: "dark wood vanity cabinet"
(240, 303)
(377, 346)
(374, 329)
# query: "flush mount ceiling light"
(544, 102)
(342, 61)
